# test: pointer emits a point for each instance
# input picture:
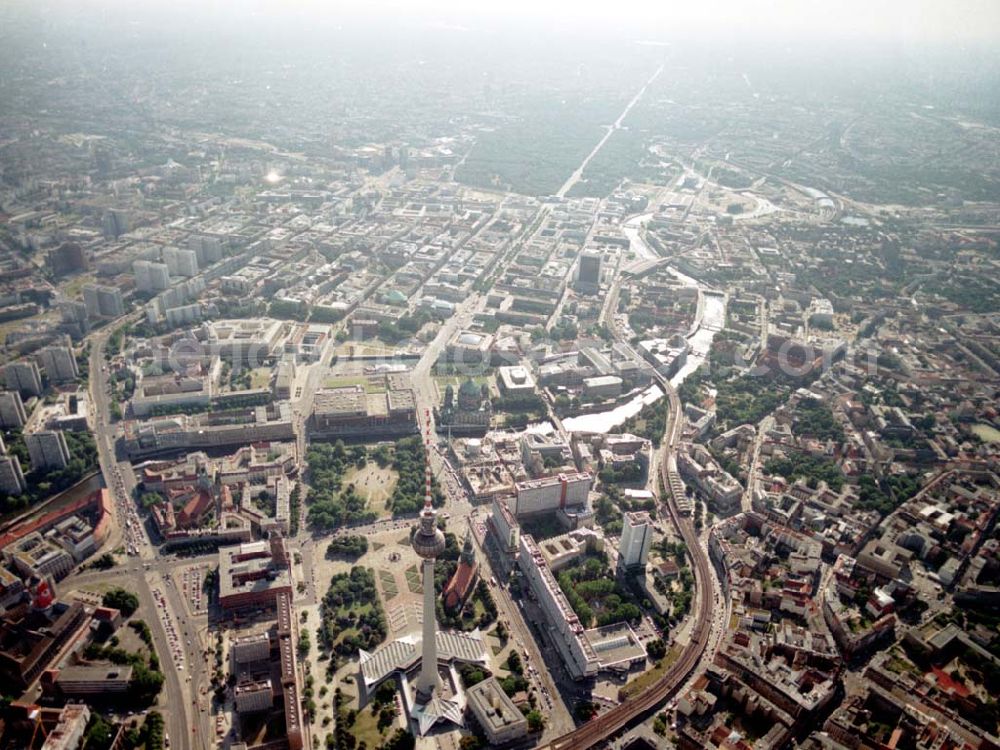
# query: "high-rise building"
(75, 317)
(24, 377)
(150, 276)
(103, 301)
(11, 476)
(180, 262)
(59, 363)
(115, 223)
(47, 449)
(207, 250)
(67, 258)
(430, 705)
(637, 536)
(589, 273)
(428, 543)
(12, 410)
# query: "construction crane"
(35, 715)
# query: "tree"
(124, 601)
(386, 692)
(656, 649)
(104, 562)
(514, 663)
(351, 547)
(401, 740)
(535, 720)
(99, 733)
(149, 499)
(584, 710)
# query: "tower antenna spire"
(428, 504)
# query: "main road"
(126, 525)
(616, 125)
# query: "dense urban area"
(619, 395)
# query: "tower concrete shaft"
(428, 659)
(428, 543)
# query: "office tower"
(150, 276)
(47, 449)
(637, 535)
(59, 363)
(589, 275)
(24, 377)
(12, 410)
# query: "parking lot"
(191, 585)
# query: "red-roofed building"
(464, 580)
(194, 509)
(98, 503)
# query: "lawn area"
(369, 348)
(388, 581)
(647, 679)
(74, 287)
(457, 380)
(344, 381)
(365, 729)
(413, 580)
(260, 377)
(374, 484)
(359, 610)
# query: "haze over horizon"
(675, 324)
(905, 22)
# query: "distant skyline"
(905, 22)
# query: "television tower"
(428, 543)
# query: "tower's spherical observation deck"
(428, 542)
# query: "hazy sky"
(905, 21)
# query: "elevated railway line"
(604, 726)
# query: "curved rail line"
(603, 726)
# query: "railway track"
(602, 727)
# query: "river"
(711, 319)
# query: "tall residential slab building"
(103, 301)
(75, 317)
(150, 276)
(12, 412)
(24, 377)
(11, 477)
(637, 536)
(47, 449)
(59, 363)
(180, 261)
